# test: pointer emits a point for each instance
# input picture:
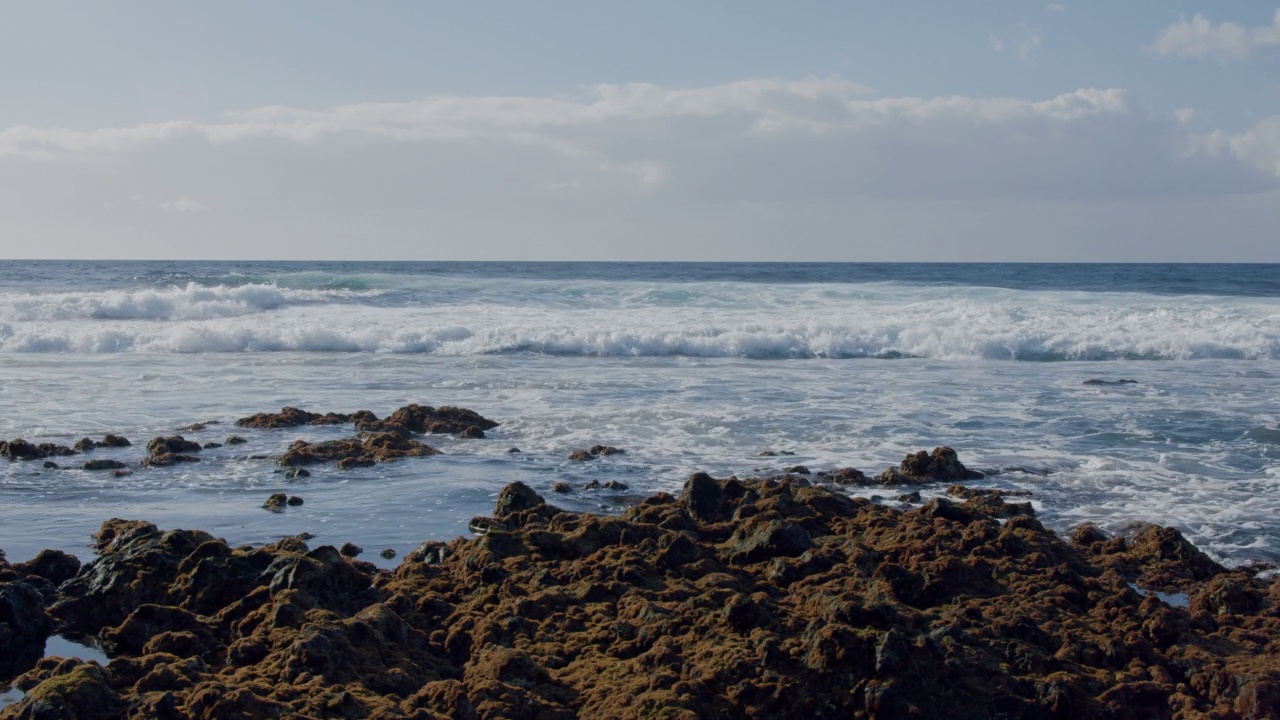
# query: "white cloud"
(1260, 145)
(762, 140)
(1199, 37)
(996, 43)
(1028, 46)
(183, 204)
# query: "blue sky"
(659, 130)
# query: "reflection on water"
(57, 646)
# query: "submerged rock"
(103, 464)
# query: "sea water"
(685, 366)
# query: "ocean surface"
(685, 366)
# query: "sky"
(803, 130)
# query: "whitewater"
(685, 366)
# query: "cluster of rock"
(761, 599)
(417, 419)
(379, 440)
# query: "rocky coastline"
(769, 597)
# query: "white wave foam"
(633, 320)
(191, 302)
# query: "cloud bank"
(620, 163)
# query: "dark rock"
(23, 627)
(514, 498)
(211, 446)
(472, 432)
(798, 470)
(167, 459)
(513, 450)
(121, 473)
(193, 427)
(942, 465)
(114, 441)
(173, 445)
(913, 496)
(297, 472)
(581, 456)
(760, 538)
(1101, 381)
(387, 554)
(286, 418)
(104, 465)
(234, 440)
(277, 502)
(603, 450)
(350, 550)
(84, 445)
(562, 487)
(702, 497)
(356, 452)
(53, 565)
(615, 485)
(50, 465)
(351, 463)
(849, 476)
(294, 501)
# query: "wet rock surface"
(762, 599)
(349, 453)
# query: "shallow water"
(701, 370)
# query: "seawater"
(685, 366)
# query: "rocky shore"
(764, 598)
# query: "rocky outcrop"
(291, 417)
(416, 419)
(763, 598)
(356, 452)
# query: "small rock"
(193, 427)
(593, 485)
(387, 554)
(51, 465)
(84, 445)
(116, 441)
(211, 445)
(512, 451)
(615, 485)
(562, 487)
(294, 501)
(294, 473)
(121, 473)
(913, 496)
(767, 453)
(581, 456)
(350, 550)
(798, 470)
(277, 502)
(235, 440)
(104, 465)
(473, 432)
(599, 450)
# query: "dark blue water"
(1247, 280)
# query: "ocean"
(685, 366)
